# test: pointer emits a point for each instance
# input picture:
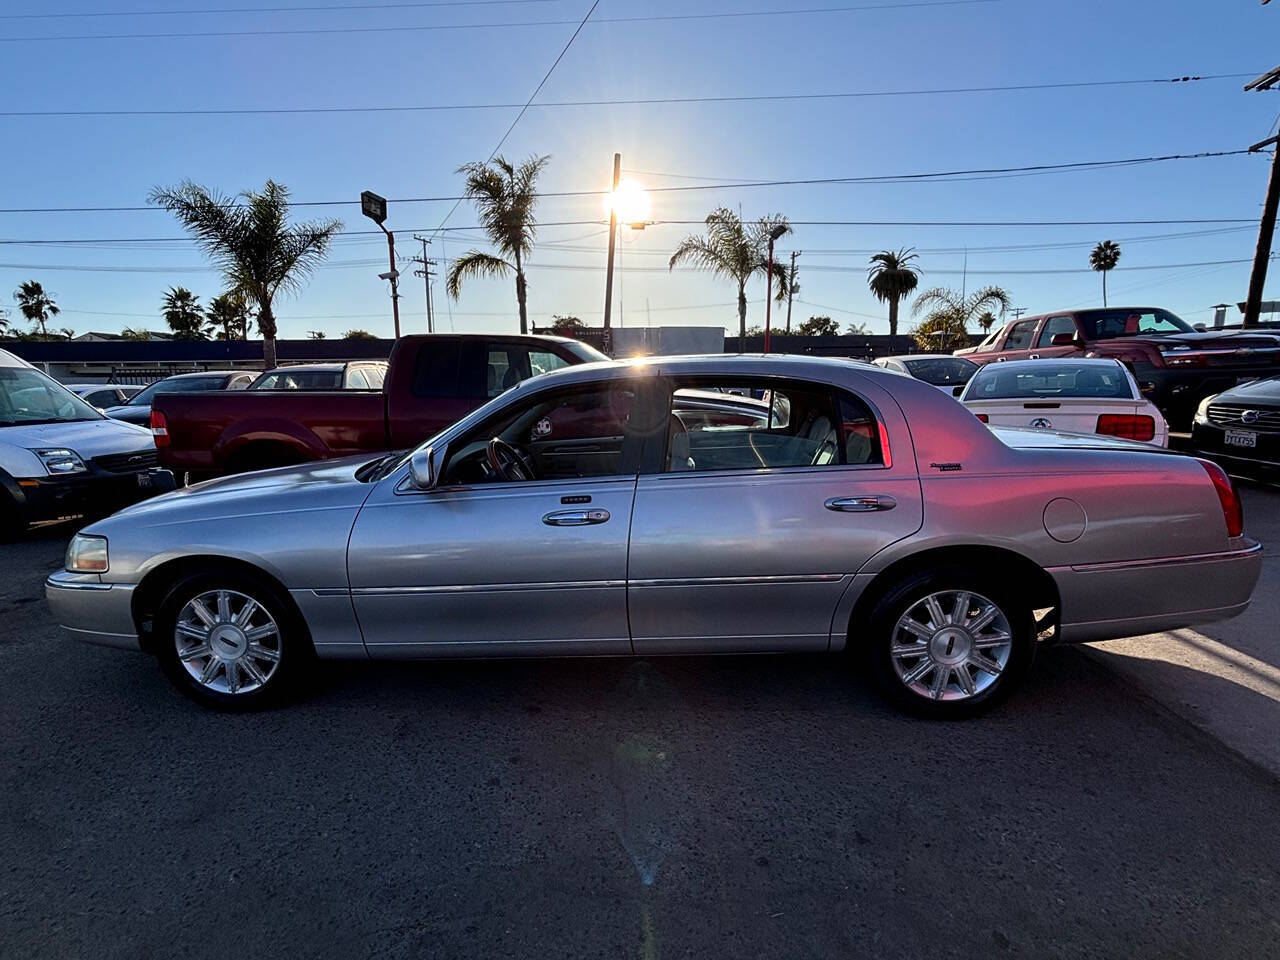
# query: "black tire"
(13, 521)
(881, 626)
(295, 651)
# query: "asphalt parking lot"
(727, 807)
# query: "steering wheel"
(507, 462)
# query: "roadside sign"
(373, 206)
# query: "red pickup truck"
(431, 381)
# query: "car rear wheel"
(231, 643)
(950, 644)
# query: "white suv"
(60, 457)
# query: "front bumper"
(1107, 601)
(94, 491)
(93, 611)
(1207, 439)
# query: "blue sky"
(115, 161)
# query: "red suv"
(1176, 365)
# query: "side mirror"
(1064, 340)
(423, 468)
(1200, 328)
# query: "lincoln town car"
(689, 505)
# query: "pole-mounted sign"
(373, 206)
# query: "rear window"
(1106, 324)
(942, 371)
(997, 381)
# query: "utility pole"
(608, 274)
(425, 274)
(791, 290)
(1267, 226)
(1017, 312)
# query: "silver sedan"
(675, 506)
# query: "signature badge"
(1042, 423)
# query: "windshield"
(585, 352)
(177, 385)
(1044, 378)
(28, 396)
(942, 371)
(299, 380)
(1126, 322)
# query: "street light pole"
(375, 208)
(774, 234)
(608, 273)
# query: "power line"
(312, 31)
(934, 176)
(536, 90)
(615, 102)
(307, 9)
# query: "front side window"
(28, 396)
(1054, 326)
(754, 425)
(577, 433)
(1108, 324)
(1020, 335)
(544, 361)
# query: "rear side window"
(438, 371)
(375, 375)
(356, 379)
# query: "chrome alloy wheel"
(227, 641)
(951, 645)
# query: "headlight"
(87, 554)
(59, 461)
(1202, 411)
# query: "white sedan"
(1072, 395)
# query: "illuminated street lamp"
(626, 201)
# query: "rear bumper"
(1107, 601)
(93, 611)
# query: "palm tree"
(181, 311)
(1104, 258)
(248, 236)
(948, 315)
(228, 313)
(737, 251)
(504, 197)
(4, 320)
(891, 278)
(987, 320)
(36, 305)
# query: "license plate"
(1240, 438)
(144, 480)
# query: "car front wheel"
(230, 643)
(950, 644)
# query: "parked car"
(59, 456)
(431, 381)
(942, 370)
(1240, 427)
(137, 409)
(1175, 364)
(1075, 395)
(103, 395)
(877, 518)
(361, 375)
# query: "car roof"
(800, 366)
(1055, 361)
(317, 367)
(924, 356)
(200, 373)
(7, 359)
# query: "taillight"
(1126, 425)
(159, 429)
(983, 417)
(1232, 508)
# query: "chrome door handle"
(861, 504)
(1034, 356)
(575, 518)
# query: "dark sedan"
(138, 409)
(1240, 427)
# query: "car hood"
(1027, 438)
(88, 438)
(1265, 392)
(127, 408)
